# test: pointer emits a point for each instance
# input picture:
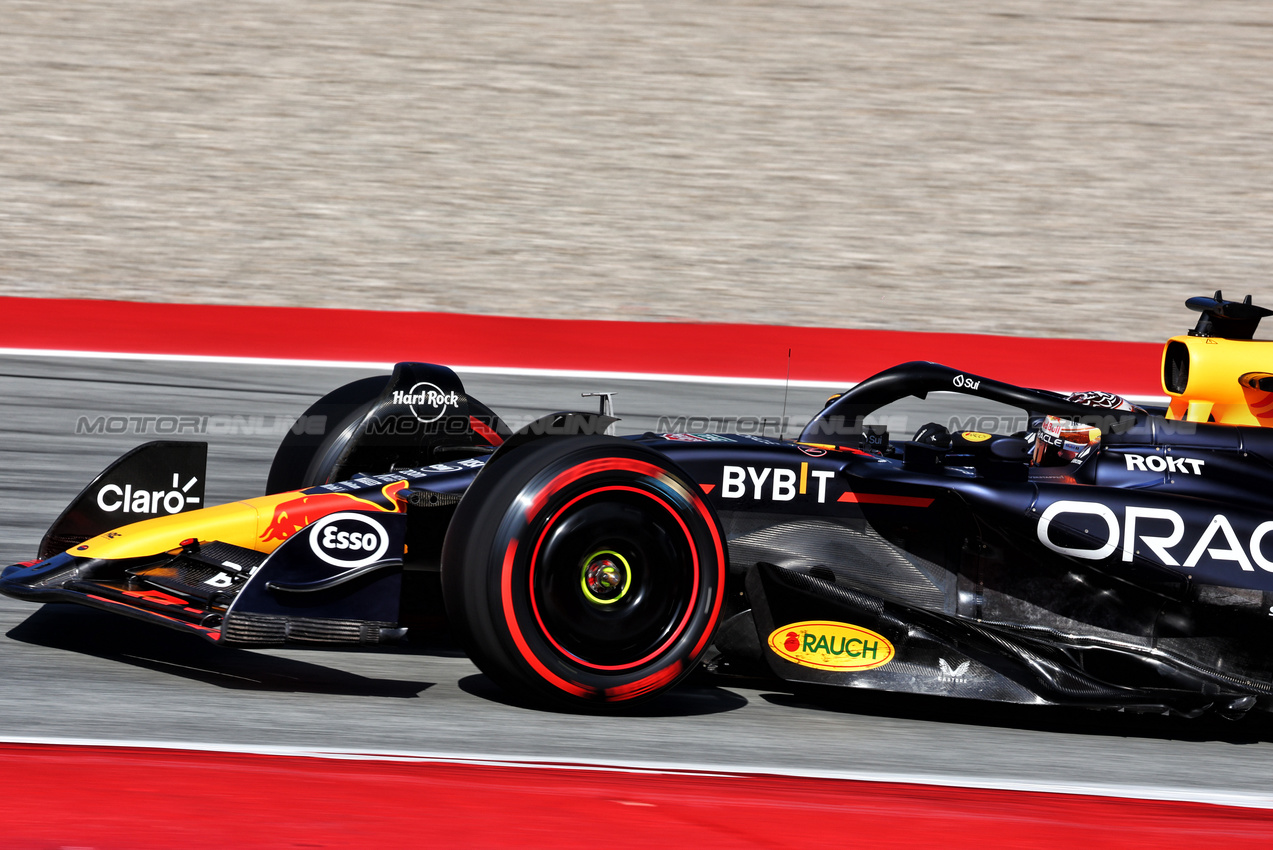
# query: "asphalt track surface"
(1009, 166)
(76, 673)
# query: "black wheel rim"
(613, 577)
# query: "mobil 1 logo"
(349, 540)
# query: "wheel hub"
(606, 577)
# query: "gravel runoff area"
(1007, 166)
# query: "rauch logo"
(831, 646)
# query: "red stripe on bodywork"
(214, 634)
(485, 431)
(881, 499)
(156, 596)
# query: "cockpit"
(936, 418)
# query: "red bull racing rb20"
(1101, 554)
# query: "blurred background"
(1007, 166)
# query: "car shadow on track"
(685, 700)
(1063, 719)
(112, 638)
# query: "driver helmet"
(1059, 441)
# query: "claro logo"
(128, 500)
(1153, 531)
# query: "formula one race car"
(1094, 554)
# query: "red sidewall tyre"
(587, 571)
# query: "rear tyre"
(585, 572)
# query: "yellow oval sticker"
(829, 645)
(975, 436)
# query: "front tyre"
(586, 572)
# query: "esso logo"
(348, 540)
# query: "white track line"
(367, 364)
(472, 370)
(1163, 793)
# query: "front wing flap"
(336, 581)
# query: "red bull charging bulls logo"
(292, 515)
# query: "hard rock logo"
(428, 402)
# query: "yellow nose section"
(261, 524)
(234, 523)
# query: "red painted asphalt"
(77, 796)
(833, 355)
